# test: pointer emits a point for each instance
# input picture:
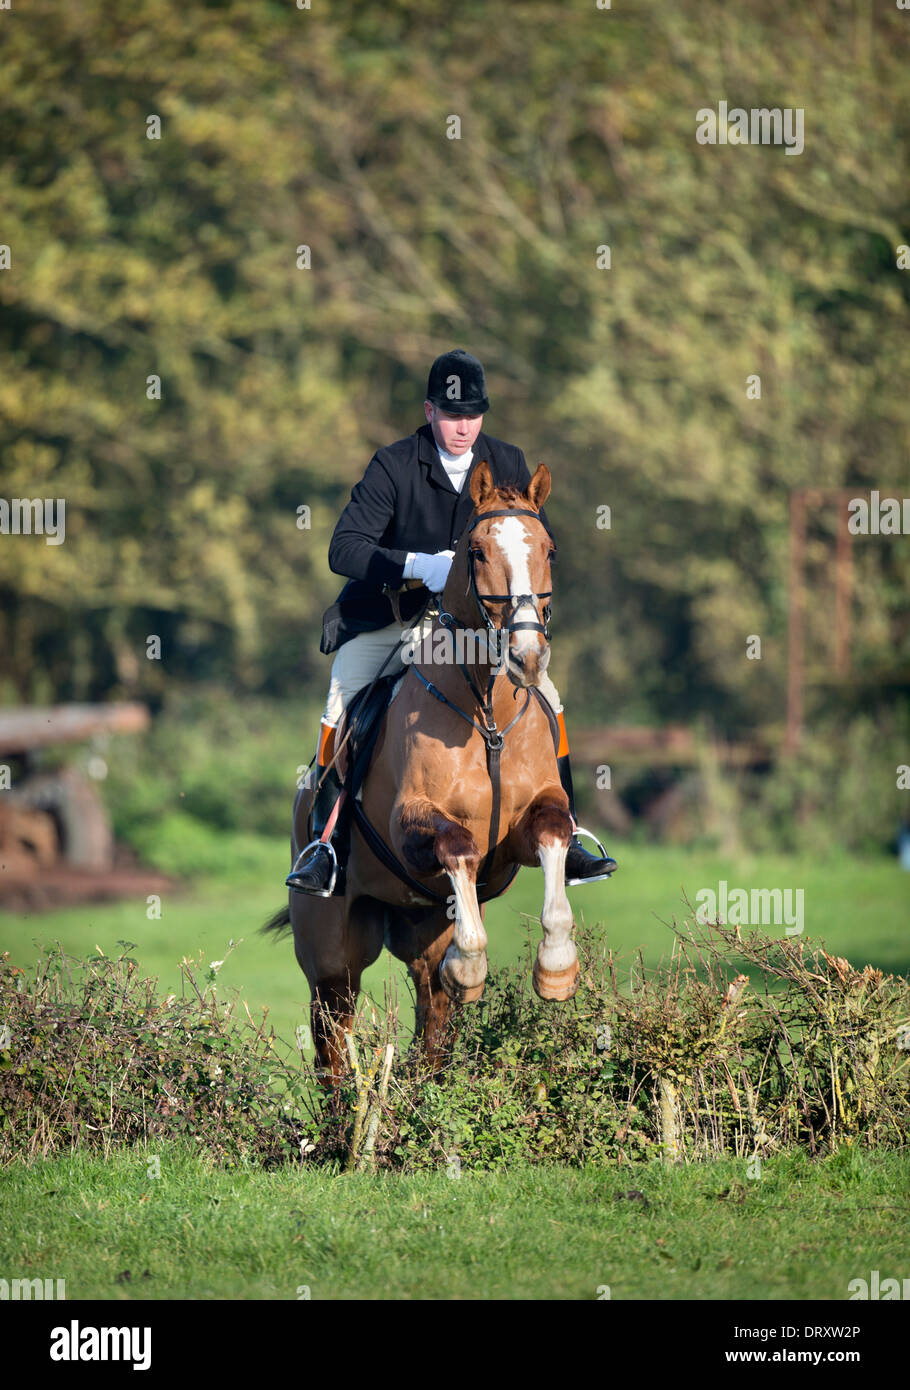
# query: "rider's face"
(454, 433)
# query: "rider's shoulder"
(390, 457)
(401, 450)
(502, 446)
(506, 460)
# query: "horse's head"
(503, 564)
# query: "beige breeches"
(357, 662)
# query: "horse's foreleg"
(433, 1006)
(544, 833)
(334, 942)
(464, 966)
(332, 1006)
(432, 842)
(421, 938)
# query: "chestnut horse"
(429, 792)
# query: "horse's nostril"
(519, 660)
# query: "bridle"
(517, 600)
(492, 736)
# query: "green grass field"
(801, 1230)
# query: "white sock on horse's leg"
(470, 935)
(556, 967)
(464, 967)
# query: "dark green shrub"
(692, 1061)
(92, 1055)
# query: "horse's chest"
(468, 788)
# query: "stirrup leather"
(316, 892)
(594, 878)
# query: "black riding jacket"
(404, 502)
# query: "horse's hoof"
(556, 984)
(462, 994)
(474, 972)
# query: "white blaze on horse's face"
(529, 652)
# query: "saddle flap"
(363, 718)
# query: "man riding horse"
(403, 521)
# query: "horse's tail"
(280, 921)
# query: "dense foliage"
(327, 127)
(690, 1060)
(93, 1055)
(694, 1059)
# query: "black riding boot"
(318, 862)
(581, 866)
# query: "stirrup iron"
(316, 892)
(595, 878)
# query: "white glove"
(433, 570)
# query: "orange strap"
(326, 743)
(563, 748)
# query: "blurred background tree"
(177, 258)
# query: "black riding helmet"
(457, 384)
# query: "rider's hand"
(433, 570)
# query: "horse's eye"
(552, 556)
(477, 555)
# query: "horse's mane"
(509, 496)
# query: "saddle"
(363, 720)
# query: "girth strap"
(493, 773)
(385, 856)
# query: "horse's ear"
(539, 486)
(481, 485)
